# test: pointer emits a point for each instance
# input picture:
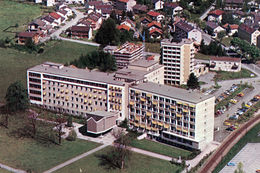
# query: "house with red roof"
(153, 25)
(156, 33)
(245, 32)
(229, 64)
(56, 17)
(215, 15)
(24, 36)
(145, 20)
(123, 27)
(80, 32)
(155, 16)
(158, 4)
(174, 8)
(231, 28)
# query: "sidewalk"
(148, 153)
(8, 168)
(75, 159)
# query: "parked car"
(254, 99)
(233, 101)
(257, 96)
(231, 164)
(240, 94)
(249, 104)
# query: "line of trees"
(212, 49)
(97, 59)
(251, 52)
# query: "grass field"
(201, 56)
(36, 155)
(250, 137)
(226, 41)
(12, 13)
(13, 64)
(4, 170)
(138, 164)
(223, 75)
(157, 147)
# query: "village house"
(184, 30)
(80, 32)
(95, 19)
(153, 25)
(24, 36)
(129, 23)
(158, 4)
(145, 20)
(156, 33)
(215, 16)
(126, 5)
(36, 25)
(232, 28)
(155, 16)
(213, 28)
(248, 33)
(173, 8)
(234, 4)
(56, 17)
(140, 9)
(225, 64)
(123, 27)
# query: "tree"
(59, 126)
(193, 82)
(16, 97)
(108, 34)
(239, 168)
(69, 121)
(33, 120)
(117, 156)
(221, 35)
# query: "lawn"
(201, 56)
(250, 137)
(22, 152)
(226, 41)
(13, 64)
(153, 47)
(157, 147)
(138, 164)
(12, 13)
(224, 75)
(4, 171)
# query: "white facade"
(177, 10)
(195, 35)
(158, 5)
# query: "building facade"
(248, 33)
(225, 64)
(75, 91)
(172, 114)
(178, 60)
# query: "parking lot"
(249, 156)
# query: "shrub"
(72, 136)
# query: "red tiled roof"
(155, 30)
(123, 1)
(225, 58)
(153, 13)
(246, 28)
(27, 34)
(150, 58)
(55, 15)
(125, 27)
(154, 23)
(217, 12)
(145, 18)
(80, 28)
(234, 26)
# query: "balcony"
(179, 115)
(148, 114)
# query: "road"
(205, 14)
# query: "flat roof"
(173, 92)
(60, 70)
(143, 63)
(182, 42)
(98, 115)
(126, 73)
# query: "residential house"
(140, 9)
(145, 20)
(248, 33)
(225, 64)
(80, 32)
(155, 16)
(153, 25)
(232, 28)
(24, 36)
(156, 33)
(184, 30)
(63, 13)
(56, 17)
(49, 21)
(36, 25)
(158, 4)
(213, 28)
(215, 16)
(48, 3)
(126, 5)
(238, 14)
(233, 4)
(91, 5)
(129, 23)
(105, 10)
(95, 19)
(173, 8)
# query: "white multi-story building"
(75, 91)
(178, 60)
(175, 115)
